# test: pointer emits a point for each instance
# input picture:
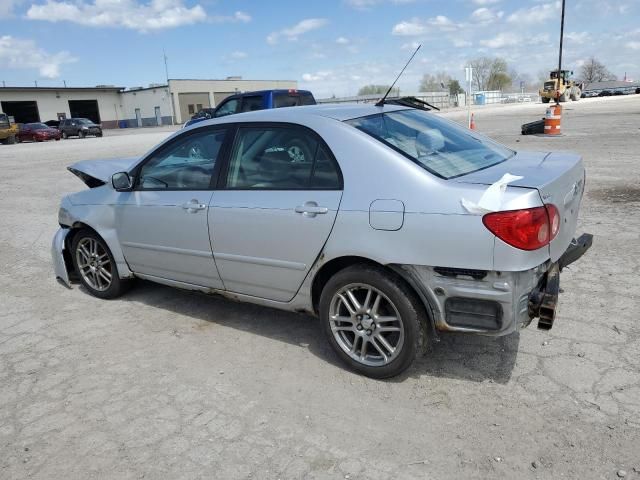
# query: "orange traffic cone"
(472, 124)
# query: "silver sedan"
(390, 223)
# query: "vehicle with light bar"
(252, 101)
(368, 223)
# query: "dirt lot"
(170, 384)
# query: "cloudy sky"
(329, 46)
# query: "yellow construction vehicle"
(8, 129)
(560, 87)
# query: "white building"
(115, 107)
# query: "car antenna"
(381, 101)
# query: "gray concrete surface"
(165, 384)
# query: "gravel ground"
(166, 384)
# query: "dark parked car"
(37, 132)
(53, 123)
(79, 127)
(251, 101)
(605, 93)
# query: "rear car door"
(275, 208)
(162, 224)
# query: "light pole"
(560, 54)
(468, 71)
(166, 71)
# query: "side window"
(252, 103)
(279, 158)
(187, 164)
(227, 108)
(325, 172)
(191, 108)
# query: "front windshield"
(440, 146)
(84, 121)
(38, 126)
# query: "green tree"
(434, 83)
(373, 90)
(454, 87)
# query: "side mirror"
(121, 182)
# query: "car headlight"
(64, 217)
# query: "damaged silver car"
(390, 223)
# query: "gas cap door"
(386, 215)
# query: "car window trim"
(224, 171)
(222, 154)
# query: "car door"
(25, 133)
(275, 208)
(162, 224)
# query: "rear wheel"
(372, 320)
(546, 99)
(11, 139)
(95, 266)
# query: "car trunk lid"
(558, 177)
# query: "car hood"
(98, 172)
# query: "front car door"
(162, 223)
(278, 199)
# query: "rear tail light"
(527, 229)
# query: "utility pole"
(469, 77)
(560, 54)
(166, 71)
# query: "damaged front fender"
(58, 255)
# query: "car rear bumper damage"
(491, 302)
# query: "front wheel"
(82, 134)
(372, 320)
(546, 99)
(64, 135)
(95, 266)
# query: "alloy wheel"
(94, 264)
(366, 325)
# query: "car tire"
(81, 134)
(11, 139)
(99, 134)
(95, 266)
(546, 99)
(356, 338)
(64, 135)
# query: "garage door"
(22, 112)
(85, 109)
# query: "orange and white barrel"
(552, 120)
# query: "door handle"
(311, 209)
(193, 206)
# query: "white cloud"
(411, 27)
(577, 37)
(410, 46)
(242, 17)
(501, 40)
(342, 41)
(317, 76)
(633, 45)
(460, 43)
(153, 15)
(7, 7)
(537, 14)
(238, 55)
(486, 2)
(443, 23)
(486, 15)
(300, 28)
(17, 53)
(416, 26)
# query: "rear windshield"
(38, 126)
(441, 147)
(293, 99)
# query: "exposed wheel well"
(73, 230)
(334, 266)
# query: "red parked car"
(37, 132)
